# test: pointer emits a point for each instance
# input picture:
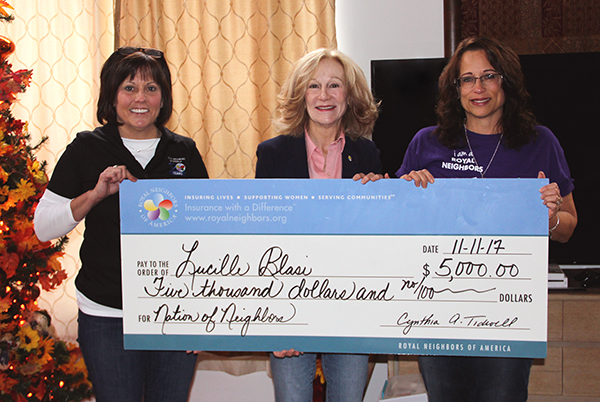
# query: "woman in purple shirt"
(486, 129)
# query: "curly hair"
(119, 67)
(517, 121)
(291, 115)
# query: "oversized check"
(459, 268)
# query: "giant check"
(459, 268)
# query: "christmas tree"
(35, 365)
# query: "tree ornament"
(7, 46)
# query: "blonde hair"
(291, 115)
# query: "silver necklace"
(152, 145)
(473, 153)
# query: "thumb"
(541, 175)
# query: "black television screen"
(565, 96)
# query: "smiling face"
(138, 104)
(483, 103)
(326, 97)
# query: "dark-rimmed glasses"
(127, 50)
(468, 81)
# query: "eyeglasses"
(127, 50)
(468, 82)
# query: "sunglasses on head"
(127, 50)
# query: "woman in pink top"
(325, 112)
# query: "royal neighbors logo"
(158, 207)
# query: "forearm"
(53, 217)
(562, 224)
(83, 204)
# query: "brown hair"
(517, 121)
(119, 67)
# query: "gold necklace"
(473, 153)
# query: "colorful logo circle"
(158, 207)
(180, 167)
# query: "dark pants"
(131, 375)
(475, 379)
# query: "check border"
(452, 208)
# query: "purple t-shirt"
(544, 154)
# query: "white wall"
(366, 30)
(389, 29)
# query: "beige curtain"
(228, 60)
(65, 43)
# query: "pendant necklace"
(153, 144)
(473, 153)
(130, 144)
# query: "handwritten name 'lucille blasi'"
(274, 262)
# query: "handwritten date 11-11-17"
(477, 246)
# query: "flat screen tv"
(565, 96)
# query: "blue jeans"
(131, 375)
(345, 376)
(475, 379)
